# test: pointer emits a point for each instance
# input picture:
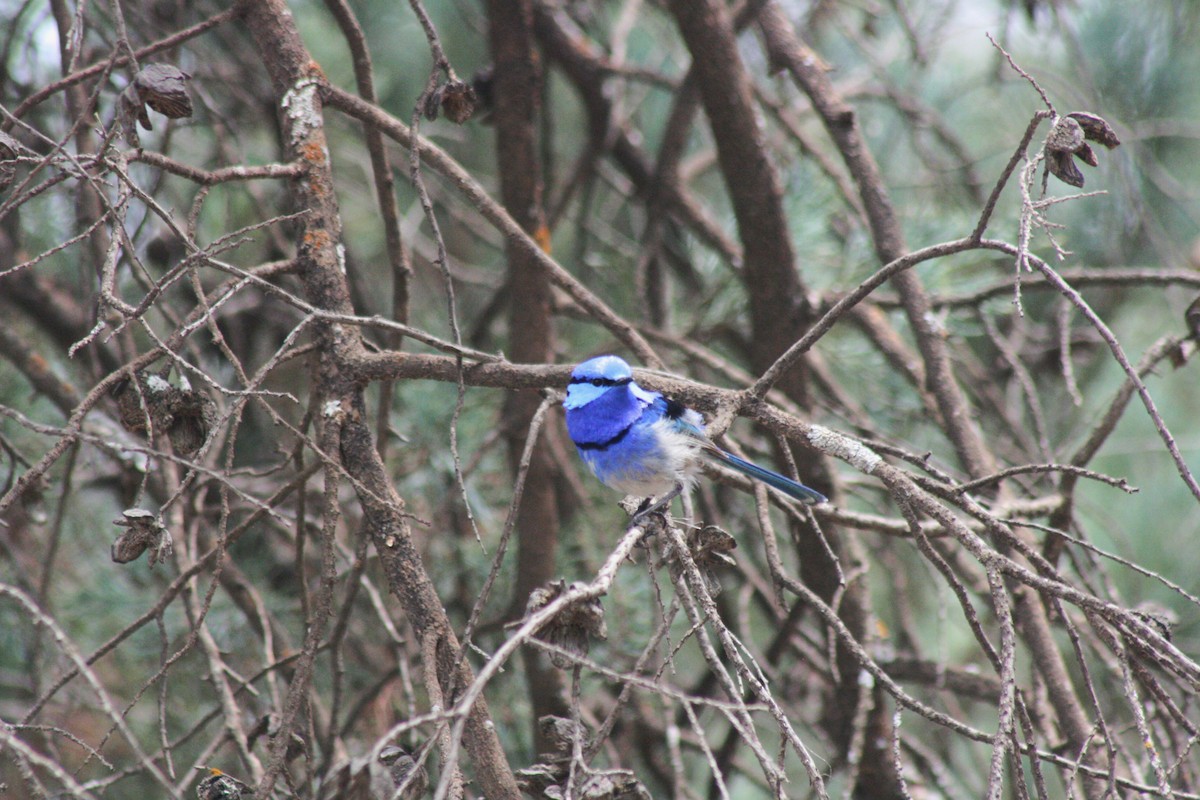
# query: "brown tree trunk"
(516, 87)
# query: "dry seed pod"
(709, 548)
(365, 779)
(143, 531)
(185, 415)
(400, 766)
(1192, 318)
(617, 784)
(1062, 166)
(1096, 129)
(219, 786)
(456, 99)
(132, 405)
(573, 628)
(560, 733)
(163, 87)
(1066, 136)
(1069, 139)
(10, 148)
(1065, 139)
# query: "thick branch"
(296, 80)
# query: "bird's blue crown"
(593, 377)
(601, 369)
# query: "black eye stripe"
(601, 381)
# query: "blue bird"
(644, 444)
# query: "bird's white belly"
(650, 462)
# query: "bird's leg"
(663, 502)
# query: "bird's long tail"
(773, 479)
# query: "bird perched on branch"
(642, 443)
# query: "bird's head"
(594, 377)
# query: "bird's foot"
(651, 507)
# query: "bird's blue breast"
(622, 435)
